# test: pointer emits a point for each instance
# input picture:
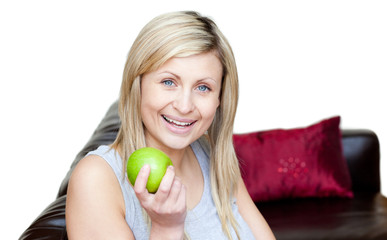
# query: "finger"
(165, 185)
(175, 189)
(140, 183)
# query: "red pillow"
(301, 162)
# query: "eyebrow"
(178, 77)
(168, 72)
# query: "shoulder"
(94, 193)
(93, 179)
(90, 170)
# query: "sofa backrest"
(362, 151)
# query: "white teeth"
(180, 124)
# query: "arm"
(95, 208)
(251, 214)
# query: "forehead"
(204, 65)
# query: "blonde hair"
(182, 34)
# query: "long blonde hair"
(182, 34)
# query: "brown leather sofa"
(362, 217)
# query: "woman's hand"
(167, 207)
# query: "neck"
(180, 158)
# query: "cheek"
(150, 99)
(148, 108)
(208, 110)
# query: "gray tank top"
(202, 222)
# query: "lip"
(178, 129)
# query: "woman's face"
(179, 100)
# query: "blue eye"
(168, 83)
(203, 88)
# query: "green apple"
(156, 159)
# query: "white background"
(61, 64)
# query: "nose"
(183, 102)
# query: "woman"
(179, 94)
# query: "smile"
(178, 123)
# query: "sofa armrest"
(50, 224)
(361, 150)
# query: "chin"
(177, 144)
